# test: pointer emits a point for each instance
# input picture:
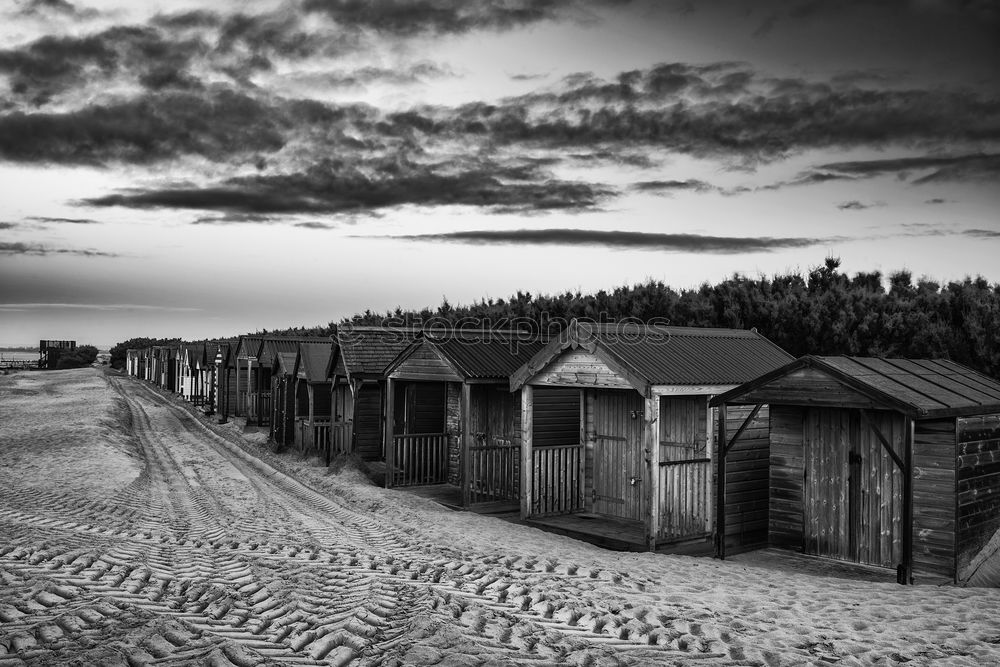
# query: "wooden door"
(619, 464)
(852, 490)
(685, 489)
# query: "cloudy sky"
(194, 169)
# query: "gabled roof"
(192, 353)
(920, 388)
(367, 351)
(285, 363)
(314, 360)
(486, 355)
(248, 346)
(650, 355)
(272, 345)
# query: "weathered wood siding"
(451, 424)
(619, 468)
(978, 495)
(368, 421)
(852, 500)
(685, 469)
(808, 385)
(495, 416)
(557, 469)
(747, 476)
(576, 368)
(934, 498)
(785, 526)
(425, 364)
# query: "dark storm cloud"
(413, 17)
(66, 221)
(982, 233)
(220, 124)
(694, 243)
(55, 64)
(363, 76)
(976, 166)
(38, 249)
(8, 225)
(856, 205)
(667, 187)
(338, 188)
(937, 200)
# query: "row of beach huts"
(637, 436)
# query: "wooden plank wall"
(368, 421)
(495, 448)
(579, 368)
(556, 416)
(425, 364)
(618, 455)
(934, 498)
(853, 491)
(978, 489)
(685, 470)
(747, 477)
(787, 475)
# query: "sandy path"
(193, 548)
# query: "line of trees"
(80, 356)
(824, 312)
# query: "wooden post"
(527, 428)
(465, 423)
(651, 444)
(390, 449)
(720, 488)
(905, 573)
(710, 454)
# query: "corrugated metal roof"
(933, 387)
(314, 360)
(272, 345)
(666, 355)
(367, 351)
(485, 355)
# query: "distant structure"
(49, 352)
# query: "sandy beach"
(135, 531)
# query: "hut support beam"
(527, 455)
(720, 489)
(724, 447)
(465, 421)
(904, 574)
(390, 446)
(652, 447)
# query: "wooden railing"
(557, 479)
(685, 499)
(495, 470)
(419, 458)
(264, 417)
(341, 438)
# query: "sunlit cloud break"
(696, 243)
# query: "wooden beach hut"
(283, 379)
(191, 361)
(893, 463)
(132, 362)
(167, 368)
(313, 397)
(245, 368)
(357, 376)
(225, 393)
(451, 418)
(617, 441)
(261, 406)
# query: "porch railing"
(557, 479)
(685, 497)
(419, 458)
(340, 438)
(495, 470)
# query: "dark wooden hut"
(313, 398)
(357, 375)
(617, 436)
(893, 463)
(451, 417)
(283, 376)
(261, 404)
(245, 382)
(225, 392)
